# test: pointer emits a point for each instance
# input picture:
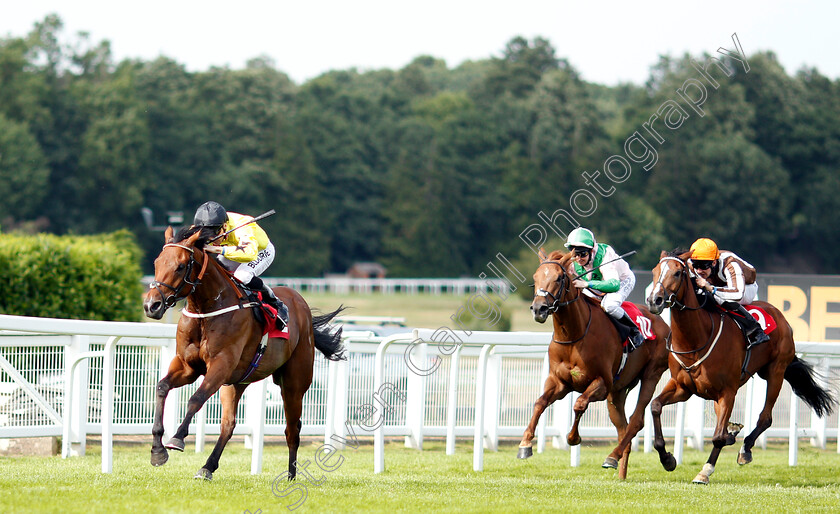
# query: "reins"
(557, 304)
(170, 300)
(672, 300)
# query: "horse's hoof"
(701, 479)
(610, 463)
(524, 452)
(744, 458)
(669, 462)
(159, 458)
(175, 444)
(204, 474)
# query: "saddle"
(768, 324)
(641, 322)
(266, 315)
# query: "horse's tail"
(801, 377)
(328, 341)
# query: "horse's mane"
(187, 232)
(676, 252)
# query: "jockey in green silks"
(603, 274)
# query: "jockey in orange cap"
(730, 279)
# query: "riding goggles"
(702, 264)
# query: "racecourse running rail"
(72, 378)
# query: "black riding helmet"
(210, 214)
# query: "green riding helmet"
(581, 237)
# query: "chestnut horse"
(222, 341)
(586, 355)
(708, 357)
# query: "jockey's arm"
(611, 281)
(241, 245)
(733, 291)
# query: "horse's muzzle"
(154, 307)
(656, 304)
(540, 312)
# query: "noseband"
(556, 303)
(176, 295)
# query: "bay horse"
(708, 357)
(586, 355)
(222, 340)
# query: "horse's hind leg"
(179, 374)
(554, 390)
(615, 407)
(725, 433)
(229, 396)
(765, 419)
(637, 422)
(596, 391)
(294, 379)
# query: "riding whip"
(253, 220)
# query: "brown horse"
(224, 344)
(586, 355)
(708, 357)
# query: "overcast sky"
(608, 42)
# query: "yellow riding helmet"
(704, 249)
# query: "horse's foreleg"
(765, 419)
(216, 375)
(179, 374)
(229, 396)
(596, 391)
(725, 433)
(554, 390)
(671, 393)
(615, 408)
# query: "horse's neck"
(214, 291)
(693, 323)
(570, 321)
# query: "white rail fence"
(74, 378)
(347, 285)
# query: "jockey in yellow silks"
(246, 252)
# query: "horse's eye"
(180, 267)
(678, 273)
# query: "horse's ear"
(663, 255)
(192, 239)
(542, 254)
(168, 236)
(687, 255)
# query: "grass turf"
(421, 481)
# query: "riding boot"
(755, 333)
(270, 298)
(636, 337)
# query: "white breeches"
(611, 302)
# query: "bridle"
(671, 298)
(176, 295)
(565, 287)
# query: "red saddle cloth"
(768, 324)
(270, 326)
(644, 324)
